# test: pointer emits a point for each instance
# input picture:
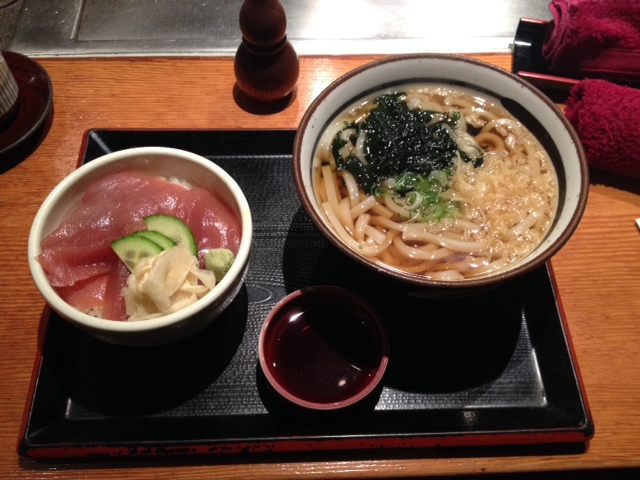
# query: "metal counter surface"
(316, 27)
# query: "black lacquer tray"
(492, 370)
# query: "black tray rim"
(579, 434)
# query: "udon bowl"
(523, 101)
(164, 162)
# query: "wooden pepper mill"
(266, 64)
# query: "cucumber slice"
(162, 240)
(132, 248)
(174, 228)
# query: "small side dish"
(323, 348)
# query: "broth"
(492, 194)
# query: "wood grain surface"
(597, 272)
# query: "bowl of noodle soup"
(440, 171)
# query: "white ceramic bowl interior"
(532, 107)
(166, 162)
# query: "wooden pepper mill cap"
(263, 23)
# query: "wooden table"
(597, 272)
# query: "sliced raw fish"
(114, 307)
(86, 295)
(210, 219)
(67, 265)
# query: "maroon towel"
(605, 115)
(594, 39)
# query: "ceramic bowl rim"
(323, 290)
(102, 163)
(350, 78)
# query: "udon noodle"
(497, 200)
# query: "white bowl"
(525, 102)
(166, 162)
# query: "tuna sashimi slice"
(114, 307)
(86, 295)
(210, 219)
(67, 265)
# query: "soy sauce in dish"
(325, 352)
